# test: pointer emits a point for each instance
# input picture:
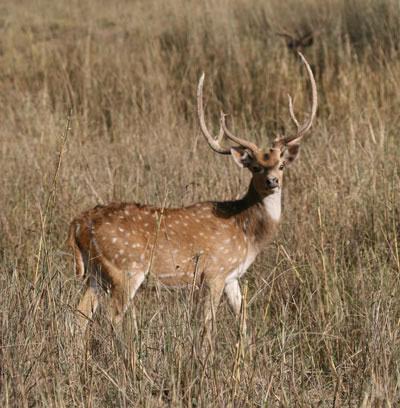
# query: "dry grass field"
(323, 301)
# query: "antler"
(215, 144)
(245, 143)
(305, 127)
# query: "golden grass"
(323, 304)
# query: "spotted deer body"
(213, 243)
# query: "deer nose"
(272, 182)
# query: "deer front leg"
(232, 292)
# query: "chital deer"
(118, 245)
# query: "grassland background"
(323, 301)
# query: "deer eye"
(257, 169)
(282, 166)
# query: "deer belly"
(176, 271)
(176, 280)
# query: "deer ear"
(291, 153)
(243, 157)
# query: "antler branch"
(215, 144)
(245, 143)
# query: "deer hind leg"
(87, 306)
(122, 293)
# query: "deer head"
(266, 166)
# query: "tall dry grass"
(323, 303)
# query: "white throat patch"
(273, 206)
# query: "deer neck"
(257, 216)
(273, 205)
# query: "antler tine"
(245, 143)
(305, 127)
(214, 144)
